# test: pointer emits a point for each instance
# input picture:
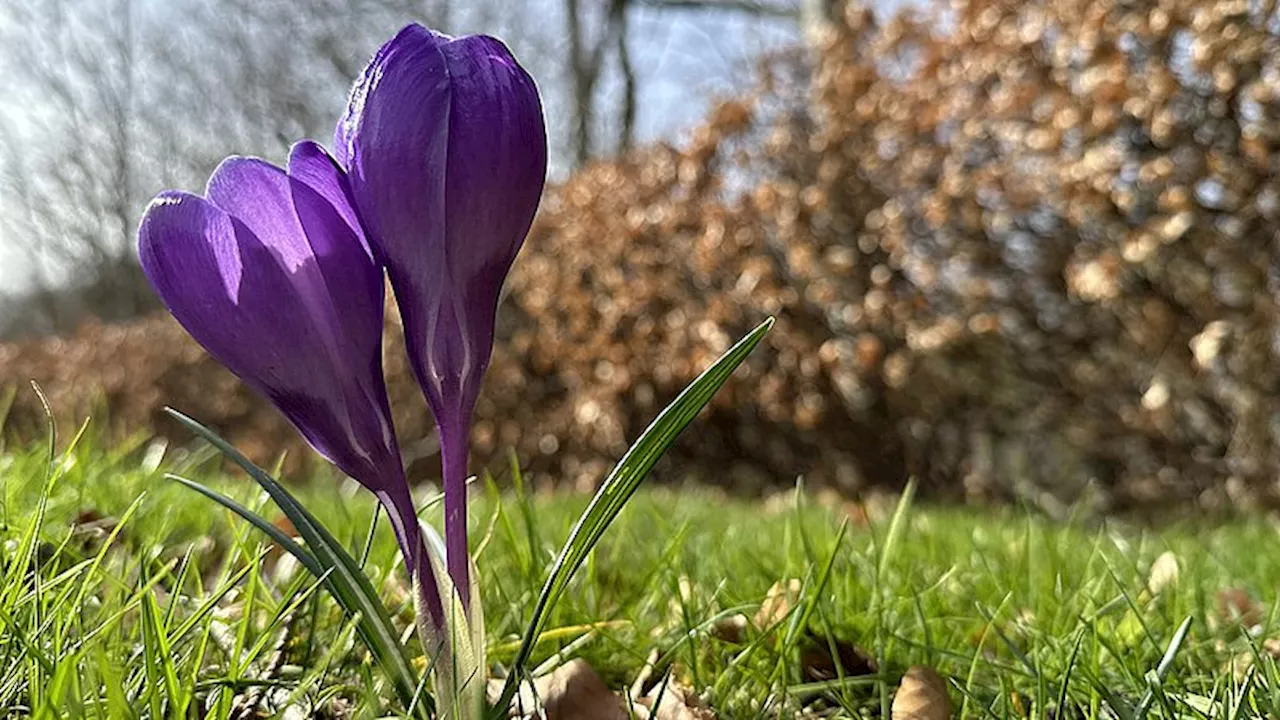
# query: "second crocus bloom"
(271, 273)
(445, 147)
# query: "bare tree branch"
(585, 63)
(627, 121)
(107, 102)
(749, 7)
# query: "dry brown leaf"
(575, 692)
(732, 629)
(1237, 605)
(676, 702)
(91, 528)
(922, 695)
(777, 603)
(819, 663)
(1238, 665)
(1164, 572)
(572, 691)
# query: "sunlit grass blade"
(618, 488)
(160, 660)
(286, 543)
(1064, 693)
(339, 571)
(897, 526)
(1156, 679)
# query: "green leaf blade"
(620, 486)
(338, 570)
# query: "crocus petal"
(312, 165)
(258, 304)
(445, 145)
(498, 161)
(272, 275)
(394, 138)
(314, 257)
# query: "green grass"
(158, 603)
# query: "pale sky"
(682, 59)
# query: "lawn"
(127, 595)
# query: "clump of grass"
(126, 595)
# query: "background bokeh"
(1023, 251)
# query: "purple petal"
(497, 158)
(259, 304)
(359, 92)
(272, 275)
(446, 150)
(395, 141)
(444, 144)
(311, 164)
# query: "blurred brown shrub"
(1016, 249)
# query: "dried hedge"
(1021, 250)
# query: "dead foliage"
(922, 695)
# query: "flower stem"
(453, 459)
(404, 522)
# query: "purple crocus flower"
(271, 273)
(445, 146)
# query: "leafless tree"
(107, 102)
(75, 197)
(586, 59)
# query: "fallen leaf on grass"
(1164, 572)
(92, 528)
(572, 691)
(672, 702)
(1235, 605)
(922, 695)
(732, 629)
(1239, 664)
(777, 603)
(819, 663)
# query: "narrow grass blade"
(340, 572)
(209, 604)
(1162, 670)
(112, 681)
(277, 535)
(618, 488)
(1064, 693)
(800, 620)
(897, 526)
(160, 660)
